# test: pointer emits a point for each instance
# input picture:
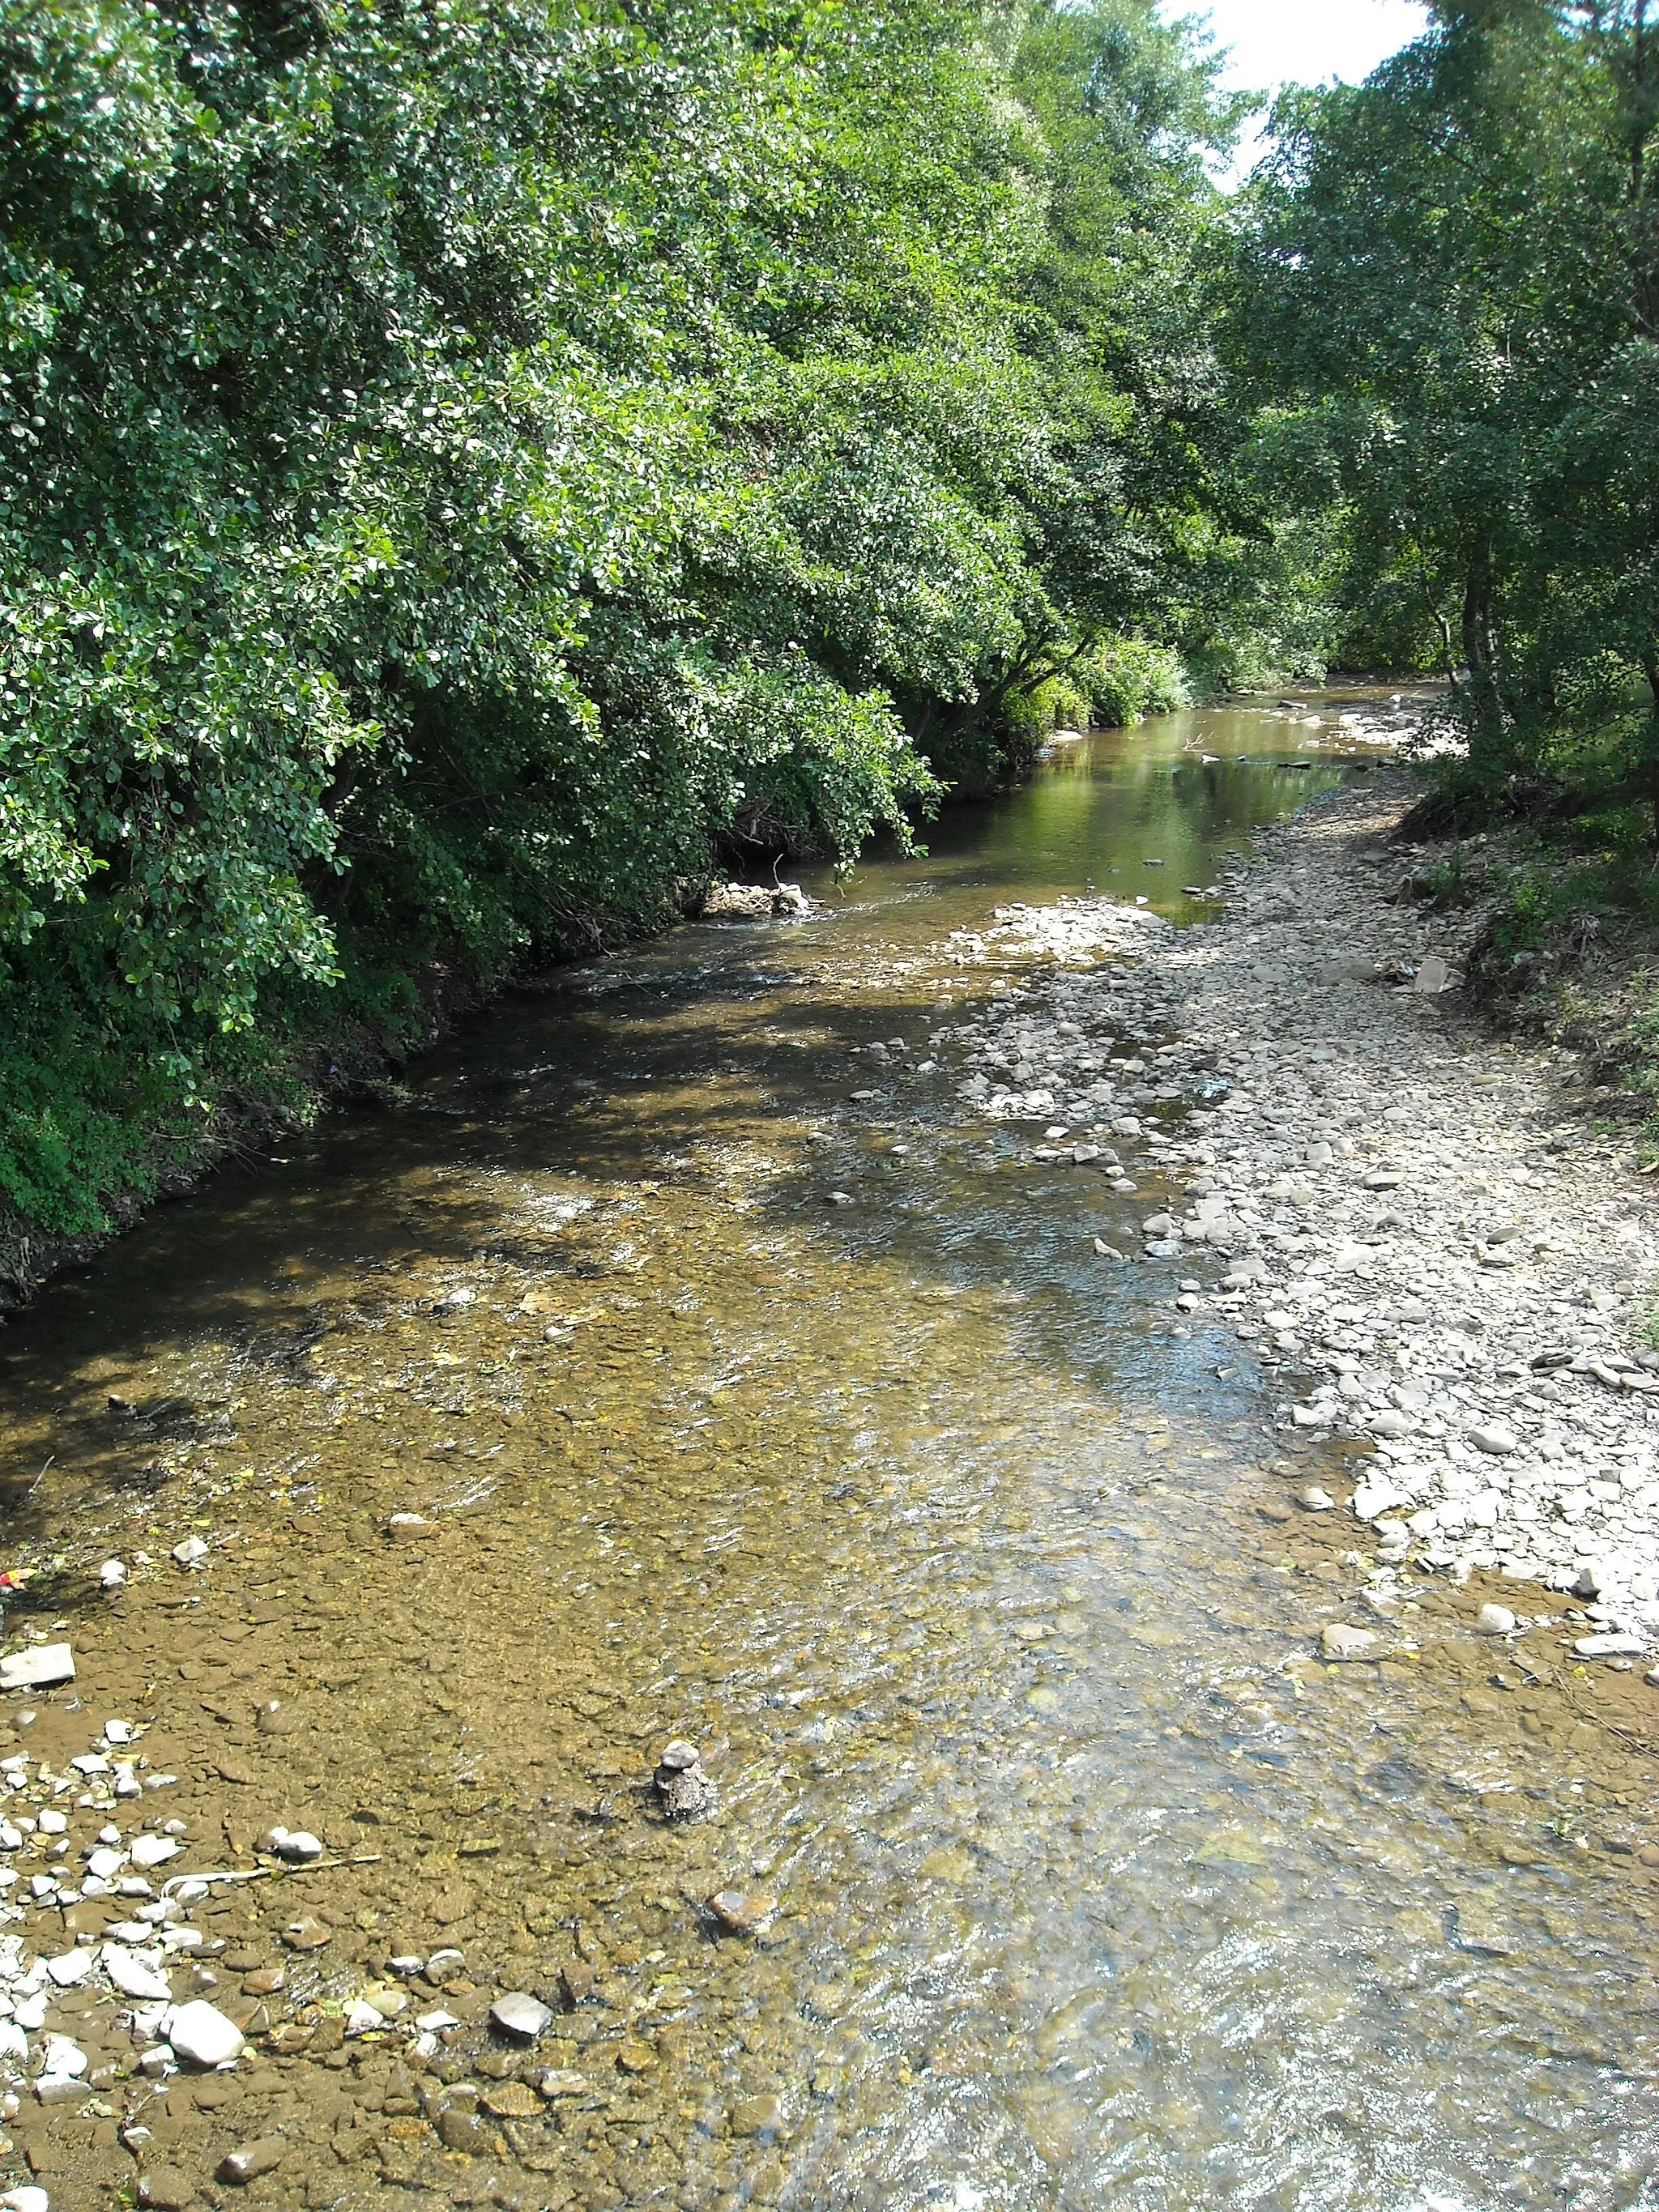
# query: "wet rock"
(1338, 1641)
(307, 1935)
(682, 1786)
(252, 2160)
(411, 1527)
(201, 2035)
(576, 1982)
(634, 2057)
(520, 2015)
(743, 1912)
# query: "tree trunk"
(1650, 670)
(1480, 649)
(1642, 98)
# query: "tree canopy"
(469, 469)
(464, 463)
(1449, 309)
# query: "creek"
(811, 1428)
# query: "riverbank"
(1420, 1230)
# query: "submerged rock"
(1337, 1640)
(511, 2100)
(246, 2164)
(742, 1913)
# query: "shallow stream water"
(813, 1430)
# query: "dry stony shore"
(1419, 1228)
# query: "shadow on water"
(813, 1428)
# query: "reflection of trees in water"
(1118, 798)
(1091, 816)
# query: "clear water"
(1093, 1889)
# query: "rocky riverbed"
(729, 1613)
(1422, 1231)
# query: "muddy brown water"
(963, 1562)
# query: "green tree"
(463, 467)
(1448, 292)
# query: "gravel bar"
(1418, 1227)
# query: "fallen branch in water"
(266, 1872)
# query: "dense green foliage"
(464, 462)
(1450, 309)
(1449, 314)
